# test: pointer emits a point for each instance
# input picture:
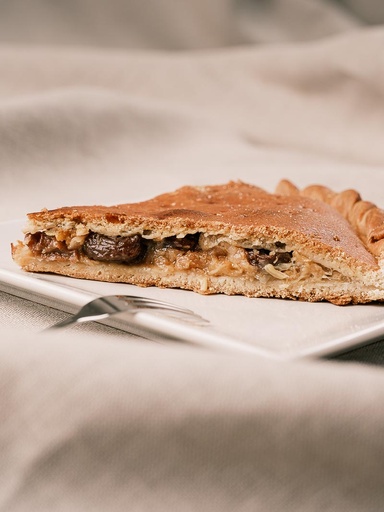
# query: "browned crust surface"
(236, 209)
(366, 218)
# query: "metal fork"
(192, 327)
(104, 307)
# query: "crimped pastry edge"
(365, 217)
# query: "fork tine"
(160, 307)
(145, 302)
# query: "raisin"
(262, 257)
(123, 249)
(41, 243)
(188, 243)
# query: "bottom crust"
(339, 293)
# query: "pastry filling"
(197, 251)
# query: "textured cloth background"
(105, 102)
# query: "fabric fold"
(93, 419)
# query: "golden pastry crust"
(366, 218)
(316, 227)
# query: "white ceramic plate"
(273, 328)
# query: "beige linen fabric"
(179, 25)
(117, 101)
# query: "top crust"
(366, 219)
(317, 220)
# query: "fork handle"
(203, 335)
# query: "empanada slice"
(312, 245)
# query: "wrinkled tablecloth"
(107, 102)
